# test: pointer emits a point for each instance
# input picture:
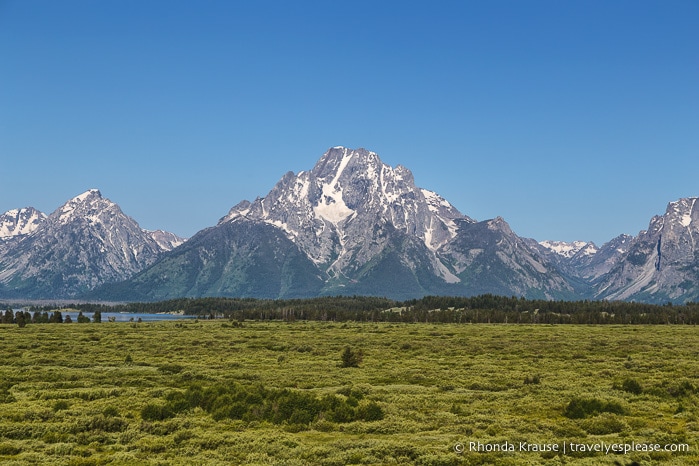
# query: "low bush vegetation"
(580, 408)
(211, 392)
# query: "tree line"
(443, 309)
(24, 317)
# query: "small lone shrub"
(580, 408)
(604, 424)
(631, 386)
(351, 358)
(60, 405)
(369, 411)
(110, 411)
(532, 380)
(171, 368)
(7, 449)
(155, 412)
(683, 388)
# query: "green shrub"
(580, 408)
(171, 368)
(156, 412)
(351, 358)
(60, 405)
(7, 449)
(532, 380)
(604, 424)
(342, 413)
(683, 388)
(278, 406)
(99, 423)
(110, 411)
(108, 424)
(631, 386)
(369, 411)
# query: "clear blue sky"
(570, 119)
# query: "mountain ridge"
(350, 225)
(86, 242)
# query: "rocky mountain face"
(347, 209)
(351, 225)
(231, 259)
(166, 241)
(590, 266)
(86, 242)
(361, 227)
(584, 260)
(488, 257)
(661, 264)
(19, 222)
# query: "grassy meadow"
(220, 392)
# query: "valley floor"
(136, 393)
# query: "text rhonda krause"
(571, 447)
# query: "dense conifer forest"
(442, 309)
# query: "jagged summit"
(19, 222)
(336, 159)
(569, 249)
(84, 243)
(662, 262)
(88, 197)
(166, 241)
(362, 222)
(92, 193)
(338, 211)
(683, 212)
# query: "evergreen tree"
(8, 317)
(351, 358)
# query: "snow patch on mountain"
(569, 249)
(20, 222)
(166, 241)
(65, 213)
(686, 219)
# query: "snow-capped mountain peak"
(80, 204)
(82, 244)
(338, 211)
(662, 260)
(590, 249)
(166, 241)
(683, 211)
(20, 222)
(569, 249)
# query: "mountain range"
(351, 225)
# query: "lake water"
(126, 317)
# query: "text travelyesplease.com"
(570, 447)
